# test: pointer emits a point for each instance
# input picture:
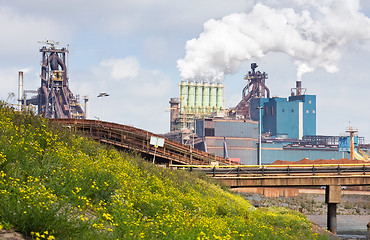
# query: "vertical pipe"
(174, 112)
(352, 145)
(20, 89)
(220, 97)
(198, 97)
(299, 87)
(205, 98)
(183, 96)
(212, 97)
(300, 120)
(86, 107)
(191, 97)
(259, 137)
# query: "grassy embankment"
(55, 185)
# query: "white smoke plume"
(313, 34)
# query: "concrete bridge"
(333, 177)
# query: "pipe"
(299, 87)
(266, 88)
(20, 89)
(86, 107)
(46, 100)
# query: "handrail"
(252, 171)
(268, 166)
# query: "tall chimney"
(299, 87)
(86, 106)
(174, 110)
(20, 89)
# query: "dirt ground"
(12, 235)
(314, 203)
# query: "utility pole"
(259, 138)
(102, 95)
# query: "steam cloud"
(313, 37)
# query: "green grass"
(54, 184)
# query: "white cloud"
(21, 33)
(122, 68)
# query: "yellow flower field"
(56, 185)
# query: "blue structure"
(294, 117)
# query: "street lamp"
(102, 95)
(259, 139)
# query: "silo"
(220, 96)
(205, 97)
(183, 96)
(212, 97)
(198, 97)
(191, 97)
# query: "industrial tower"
(55, 99)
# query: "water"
(348, 226)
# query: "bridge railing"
(279, 170)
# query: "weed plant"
(57, 185)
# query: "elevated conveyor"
(133, 139)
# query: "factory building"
(229, 138)
(294, 117)
(288, 125)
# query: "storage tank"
(191, 97)
(183, 96)
(205, 97)
(220, 96)
(212, 97)
(198, 97)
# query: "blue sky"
(130, 50)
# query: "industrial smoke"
(312, 33)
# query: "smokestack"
(174, 112)
(299, 87)
(20, 89)
(86, 100)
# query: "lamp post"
(259, 137)
(102, 95)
